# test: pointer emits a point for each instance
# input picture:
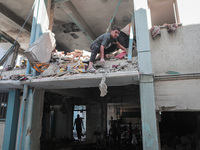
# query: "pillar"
(147, 98)
(10, 131)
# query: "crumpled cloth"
(171, 27)
(103, 87)
(121, 55)
(155, 31)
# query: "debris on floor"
(76, 62)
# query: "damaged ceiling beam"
(12, 16)
(72, 12)
(11, 40)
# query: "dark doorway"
(179, 130)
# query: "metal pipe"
(131, 38)
(177, 76)
(192, 73)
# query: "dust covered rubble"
(76, 62)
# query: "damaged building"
(145, 98)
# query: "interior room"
(60, 111)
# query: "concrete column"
(61, 125)
(33, 120)
(10, 131)
(147, 98)
(30, 121)
(93, 120)
(105, 119)
(69, 113)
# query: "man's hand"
(102, 61)
(126, 50)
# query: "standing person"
(104, 44)
(130, 132)
(79, 124)
(119, 132)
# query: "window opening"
(3, 105)
(164, 12)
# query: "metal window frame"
(3, 99)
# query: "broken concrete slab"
(50, 71)
(40, 50)
(84, 80)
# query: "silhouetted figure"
(130, 133)
(119, 132)
(79, 124)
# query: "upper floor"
(171, 53)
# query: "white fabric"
(126, 29)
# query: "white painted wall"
(2, 126)
(178, 95)
(179, 51)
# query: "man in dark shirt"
(104, 44)
(79, 124)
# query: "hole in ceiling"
(104, 1)
(70, 27)
(74, 35)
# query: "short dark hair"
(116, 28)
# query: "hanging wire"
(12, 47)
(113, 17)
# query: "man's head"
(115, 32)
(78, 116)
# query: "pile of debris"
(59, 56)
(48, 61)
(77, 62)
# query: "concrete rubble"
(76, 62)
(40, 50)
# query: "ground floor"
(113, 121)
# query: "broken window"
(3, 105)
(8, 51)
(162, 12)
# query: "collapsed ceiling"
(95, 14)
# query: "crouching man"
(104, 44)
